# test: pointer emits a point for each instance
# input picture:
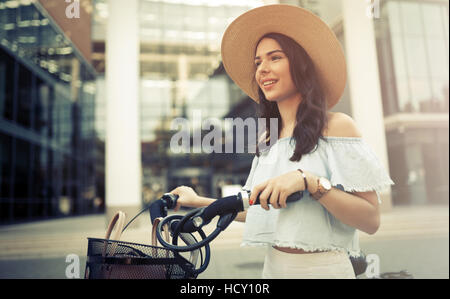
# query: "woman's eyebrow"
(269, 53)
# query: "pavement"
(413, 238)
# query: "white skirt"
(329, 264)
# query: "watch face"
(325, 183)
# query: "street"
(424, 258)
(416, 240)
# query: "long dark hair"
(311, 113)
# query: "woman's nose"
(263, 68)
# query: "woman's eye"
(276, 57)
(257, 63)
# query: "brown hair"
(311, 113)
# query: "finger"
(282, 200)
(264, 196)
(254, 195)
(177, 207)
(175, 191)
(255, 192)
(274, 199)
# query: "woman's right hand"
(186, 197)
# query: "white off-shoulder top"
(350, 165)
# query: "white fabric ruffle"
(355, 166)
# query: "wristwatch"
(323, 187)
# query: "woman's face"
(272, 71)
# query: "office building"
(47, 135)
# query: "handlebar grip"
(170, 200)
(293, 197)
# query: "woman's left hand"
(276, 190)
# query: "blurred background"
(54, 96)
(89, 90)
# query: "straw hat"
(319, 41)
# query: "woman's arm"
(359, 209)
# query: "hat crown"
(308, 30)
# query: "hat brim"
(319, 41)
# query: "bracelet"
(304, 178)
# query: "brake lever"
(160, 207)
(193, 222)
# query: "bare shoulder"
(341, 125)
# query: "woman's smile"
(267, 84)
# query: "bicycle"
(109, 258)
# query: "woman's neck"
(288, 111)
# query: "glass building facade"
(413, 55)
(413, 46)
(179, 53)
(47, 134)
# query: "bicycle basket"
(110, 259)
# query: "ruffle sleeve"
(354, 166)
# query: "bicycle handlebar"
(226, 205)
(227, 208)
(203, 216)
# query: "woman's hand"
(186, 197)
(276, 190)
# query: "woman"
(290, 62)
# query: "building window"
(23, 114)
(6, 86)
(419, 166)
(47, 138)
(412, 43)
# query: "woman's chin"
(271, 98)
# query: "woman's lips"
(268, 84)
